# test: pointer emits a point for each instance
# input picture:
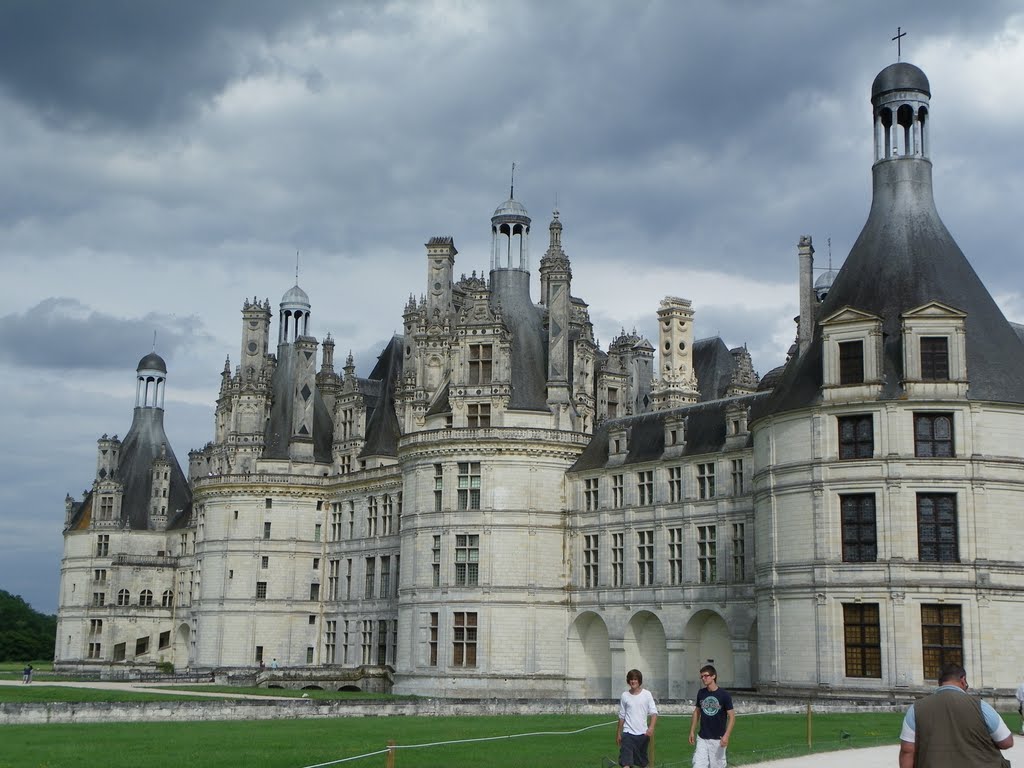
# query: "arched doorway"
(181, 647)
(590, 656)
(707, 641)
(646, 650)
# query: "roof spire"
(296, 267)
(512, 186)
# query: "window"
(942, 638)
(316, 563)
(99, 575)
(705, 481)
(331, 640)
(266, 531)
(336, 522)
(469, 485)
(265, 562)
(348, 579)
(371, 577)
(479, 363)
(107, 507)
(165, 640)
(123, 598)
(333, 569)
(103, 545)
(859, 529)
(590, 494)
(675, 555)
(467, 559)
(351, 519)
(617, 559)
(933, 435)
(387, 520)
(385, 576)
(479, 414)
(268, 503)
(438, 486)
(99, 599)
(146, 598)
(862, 639)
(739, 551)
(435, 566)
(167, 599)
(934, 358)
(314, 591)
(119, 652)
(856, 437)
(261, 590)
(464, 639)
(259, 653)
(371, 516)
(382, 642)
(851, 362)
(317, 531)
(312, 619)
(96, 626)
(707, 553)
(645, 487)
(613, 402)
(645, 558)
(309, 654)
(141, 646)
(345, 645)
(937, 538)
(95, 650)
(616, 491)
(737, 477)
(366, 640)
(432, 642)
(591, 559)
(675, 484)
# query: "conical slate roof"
(905, 258)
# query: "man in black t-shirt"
(716, 716)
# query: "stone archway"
(707, 641)
(645, 649)
(590, 657)
(181, 648)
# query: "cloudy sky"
(165, 160)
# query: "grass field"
(302, 743)
(41, 692)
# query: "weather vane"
(900, 34)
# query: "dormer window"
(851, 362)
(934, 358)
(934, 351)
(852, 354)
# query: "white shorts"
(709, 754)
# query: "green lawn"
(301, 743)
(43, 693)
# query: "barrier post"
(810, 740)
(389, 761)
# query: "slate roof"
(278, 431)
(382, 428)
(510, 291)
(705, 432)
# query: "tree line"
(25, 634)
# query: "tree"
(25, 634)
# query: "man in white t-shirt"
(634, 734)
(1020, 706)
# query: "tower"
(676, 384)
(555, 282)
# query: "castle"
(502, 508)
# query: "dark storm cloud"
(64, 333)
(134, 64)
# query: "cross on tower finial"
(900, 34)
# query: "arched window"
(145, 597)
(123, 597)
(168, 599)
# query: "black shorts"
(633, 750)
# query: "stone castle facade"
(503, 508)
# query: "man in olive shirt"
(950, 729)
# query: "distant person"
(26, 674)
(951, 728)
(1020, 706)
(273, 663)
(634, 734)
(715, 715)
